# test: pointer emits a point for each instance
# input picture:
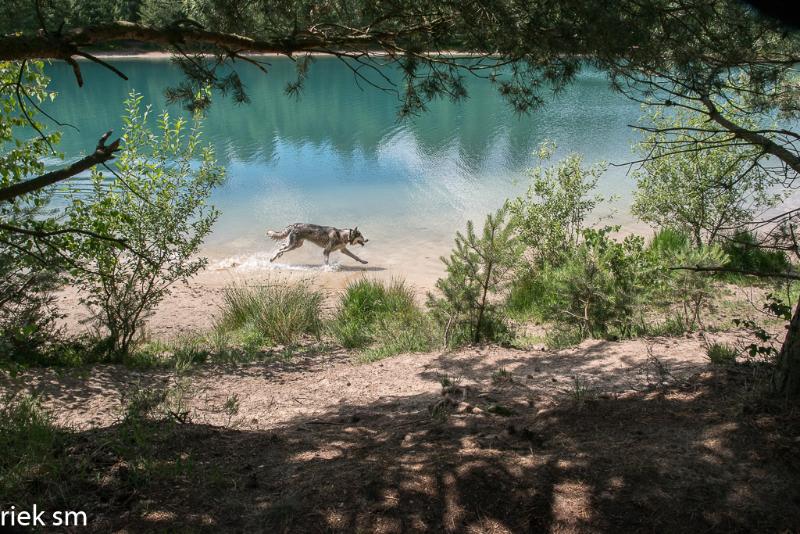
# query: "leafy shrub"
(156, 200)
(701, 191)
(721, 354)
(278, 312)
(29, 267)
(550, 216)
(382, 318)
(478, 272)
(28, 315)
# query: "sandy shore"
(192, 307)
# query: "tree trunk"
(485, 288)
(786, 378)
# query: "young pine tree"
(477, 270)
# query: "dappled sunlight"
(617, 464)
(572, 506)
(715, 442)
(328, 442)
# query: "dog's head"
(356, 238)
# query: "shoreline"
(192, 307)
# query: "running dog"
(330, 239)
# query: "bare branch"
(61, 231)
(101, 154)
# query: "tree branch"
(61, 231)
(760, 274)
(752, 137)
(16, 47)
(102, 153)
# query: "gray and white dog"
(327, 237)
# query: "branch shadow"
(678, 459)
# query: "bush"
(276, 313)
(600, 286)
(721, 354)
(28, 316)
(478, 272)
(550, 216)
(382, 318)
(156, 201)
(701, 191)
(746, 254)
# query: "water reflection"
(338, 154)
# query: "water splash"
(260, 262)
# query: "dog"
(330, 239)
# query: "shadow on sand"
(681, 459)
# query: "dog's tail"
(281, 234)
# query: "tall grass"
(721, 353)
(382, 318)
(531, 295)
(277, 313)
(32, 449)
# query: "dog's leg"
(290, 244)
(278, 252)
(327, 254)
(345, 251)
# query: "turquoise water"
(338, 155)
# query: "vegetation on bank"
(136, 232)
(537, 260)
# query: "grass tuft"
(721, 354)
(382, 319)
(562, 337)
(31, 446)
(275, 313)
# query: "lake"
(338, 155)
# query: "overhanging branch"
(42, 234)
(101, 154)
(768, 145)
(66, 45)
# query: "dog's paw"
(364, 262)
